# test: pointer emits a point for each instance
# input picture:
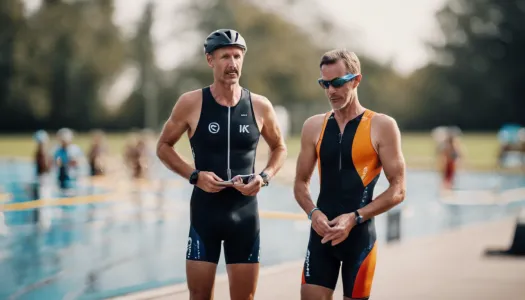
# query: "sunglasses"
(336, 82)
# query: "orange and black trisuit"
(349, 168)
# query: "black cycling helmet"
(222, 38)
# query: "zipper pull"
(340, 137)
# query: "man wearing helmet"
(223, 122)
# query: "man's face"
(339, 97)
(226, 63)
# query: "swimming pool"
(117, 242)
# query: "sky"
(386, 30)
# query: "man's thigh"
(320, 270)
(241, 254)
(202, 257)
(243, 280)
(357, 273)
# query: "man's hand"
(209, 182)
(320, 223)
(250, 189)
(341, 227)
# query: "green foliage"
(56, 63)
(476, 81)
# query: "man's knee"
(315, 292)
(200, 278)
(200, 293)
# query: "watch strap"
(265, 178)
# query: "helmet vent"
(229, 34)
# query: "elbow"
(281, 148)
(159, 152)
(399, 196)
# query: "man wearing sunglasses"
(224, 122)
(351, 146)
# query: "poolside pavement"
(448, 266)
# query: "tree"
(480, 85)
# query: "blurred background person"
(450, 154)
(67, 158)
(43, 158)
(136, 156)
(98, 153)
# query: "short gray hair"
(349, 58)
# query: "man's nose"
(231, 61)
(331, 90)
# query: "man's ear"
(209, 59)
(357, 80)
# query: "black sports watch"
(194, 177)
(358, 218)
(265, 177)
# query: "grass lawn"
(418, 148)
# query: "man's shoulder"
(188, 102)
(315, 121)
(384, 125)
(261, 104)
(383, 120)
(190, 96)
(259, 99)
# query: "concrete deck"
(448, 266)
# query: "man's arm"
(305, 167)
(273, 137)
(172, 131)
(391, 157)
(303, 173)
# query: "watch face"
(193, 177)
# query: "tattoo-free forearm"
(173, 161)
(394, 195)
(276, 160)
(302, 195)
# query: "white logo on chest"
(243, 128)
(213, 127)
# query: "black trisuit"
(225, 143)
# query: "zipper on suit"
(340, 150)
(229, 171)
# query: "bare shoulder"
(261, 104)
(187, 106)
(189, 99)
(312, 128)
(384, 124)
(385, 133)
(314, 122)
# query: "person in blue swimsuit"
(67, 158)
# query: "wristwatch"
(194, 177)
(358, 218)
(265, 177)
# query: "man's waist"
(222, 171)
(335, 207)
(227, 200)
